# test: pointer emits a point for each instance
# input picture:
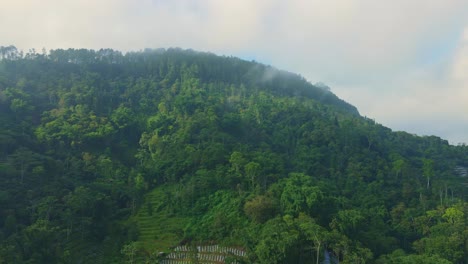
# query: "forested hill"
(174, 64)
(112, 158)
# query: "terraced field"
(158, 231)
(210, 254)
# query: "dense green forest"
(108, 157)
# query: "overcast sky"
(403, 63)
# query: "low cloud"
(427, 100)
(400, 62)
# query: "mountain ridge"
(100, 148)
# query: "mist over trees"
(108, 157)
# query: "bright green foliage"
(111, 158)
(313, 232)
(298, 194)
(222, 219)
(446, 234)
(277, 241)
(454, 215)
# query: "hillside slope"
(108, 157)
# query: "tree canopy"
(108, 157)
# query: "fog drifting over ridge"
(402, 63)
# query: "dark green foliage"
(108, 157)
(261, 208)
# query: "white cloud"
(460, 66)
(427, 100)
(395, 60)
